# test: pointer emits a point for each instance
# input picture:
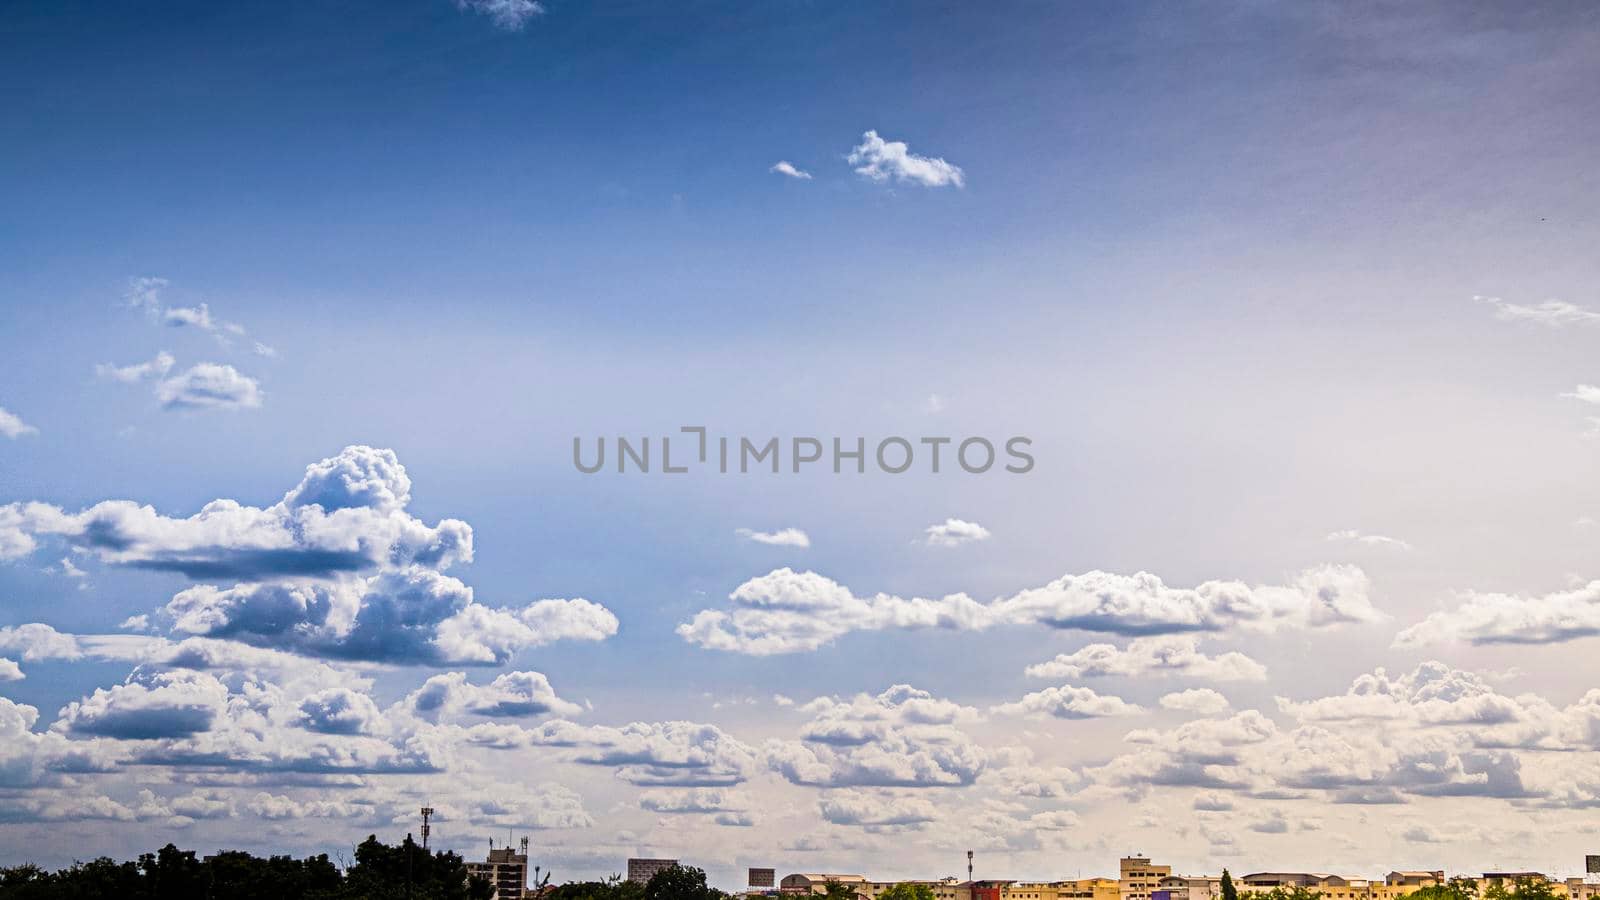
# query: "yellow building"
(1138, 877)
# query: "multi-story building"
(642, 870)
(506, 869)
(1138, 878)
(1189, 887)
(817, 882)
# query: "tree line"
(380, 872)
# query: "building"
(1138, 878)
(642, 870)
(817, 883)
(506, 869)
(763, 878)
(1189, 887)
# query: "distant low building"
(817, 882)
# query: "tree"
(680, 883)
(1457, 888)
(907, 890)
(833, 889)
(1229, 892)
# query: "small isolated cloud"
(1352, 536)
(1201, 701)
(1588, 393)
(209, 386)
(955, 532)
(136, 623)
(154, 368)
(880, 160)
(784, 167)
(1176, 655)
(1550, 313)
(784, 537)
(190, 316)
(145, 294)
(12, 426)
(933, 405)
(507, 15)
(9, 670)
(1069, 702)
(266, 351)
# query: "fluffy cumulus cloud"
(1201, 701)
(876, 810)
(12, 426)
(954, 533)
(162, 705)
(337, 568)
(341, 711)
(513, 694)
(902, 737)
(507, 15)
(1174, 655)
(786, 611)
(879, 160)
(209, 386)
(1491, 618)
(9, 670)
(1069, 702)
(692, 800)
(783, 537)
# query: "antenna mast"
(969, 865)
(427, 813)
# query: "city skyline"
(309, 310)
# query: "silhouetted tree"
(680, 883)
(1229, 892)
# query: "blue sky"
(1228, 265)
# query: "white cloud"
(880, 160)
(1201, 701)
(1352, 536)
(786, 611)
(209, 386)
(165, 705)
(1551, 313)
(784, 167)
(692, 800)
(140, 622)
(155, 368)
(340, 710)
(190, 316)
(512, 694)
(1490, 618)
(784, 537)
(507, 15)
(1069, 702)
(878, 809)
(1588, 393)
(261, 349)
(12, 426)
(954, 533)
(145, 294)
(9, 670)
(902, 737)
(336, 568)
(1174, 655)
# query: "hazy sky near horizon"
(303, 306)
